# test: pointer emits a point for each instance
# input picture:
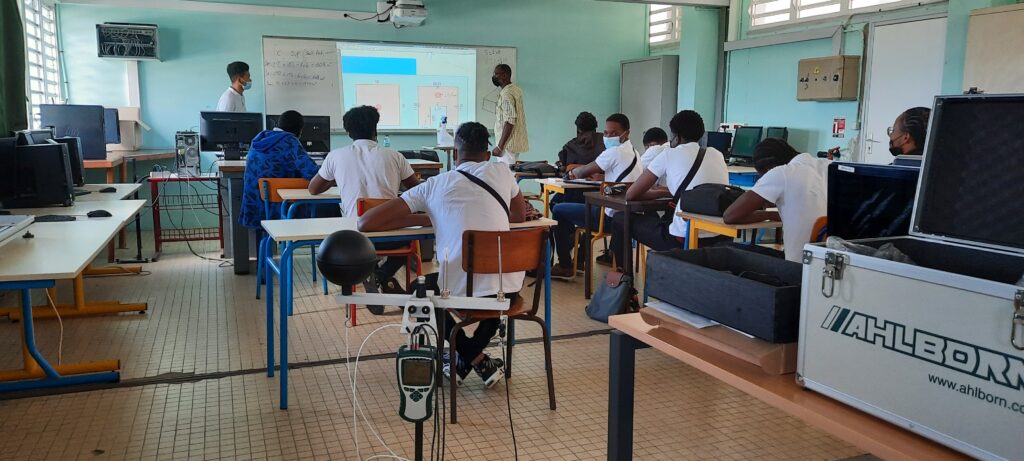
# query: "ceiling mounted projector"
(402, 13)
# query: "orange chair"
(411, 252)
(269, 188)
(521, 250)
(819, 231)
(599, 234)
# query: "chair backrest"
(819, 231)
(364, 204)
(521, 250)
(270, 186)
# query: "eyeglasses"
(889, 131)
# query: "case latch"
(1017, 322)
(834, 264)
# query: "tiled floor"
(194, 386)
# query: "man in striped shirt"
(510, 127)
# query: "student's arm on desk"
(585, 171)
(517, 209)
(319, 185)
(410, 182)
(393, 214)
(643, 188)
(749, 209)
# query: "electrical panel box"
(833, 78)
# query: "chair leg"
(547, 361)
(312, 259)
(453, 372)
(408, 271)
(510, 344)
(259, 265)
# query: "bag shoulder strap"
(691, 174)
(488, 188)
(627, 170)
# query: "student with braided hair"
(907, 133)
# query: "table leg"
(269, 277)
(621, 377)
(547, 284)
(158, 243)
(692, 235)
(627, 243)
(588, 244)
(285, 306)
(544, 193)
(239, 234)
(110, 175)
(79, 308)
(138, 222)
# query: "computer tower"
(75, 158)
(44, 177)
(186, 146)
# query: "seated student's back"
(273, 153)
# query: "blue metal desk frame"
(283, 269)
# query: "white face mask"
(612, 142)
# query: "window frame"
(673, 22)
(845, 10)
(42, 56)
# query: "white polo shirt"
(800, 190)
(652, 153)
(615, 160)
(364, 170)
(674, 163)
(231, 101)
(456, 204)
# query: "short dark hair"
(621, 119)
(236, 69)
(361, 122)
(772, 152)
(472, 137)
(291, 121)
(505, 68)
(586, 121)
(655, 134)
(688, 125)
(915, 123)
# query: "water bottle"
(444, 139)
(387, 141)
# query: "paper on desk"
(683, 315)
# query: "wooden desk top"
(619, 202)
(292, 195)
(123, 192)
(557, 182)
(122, 210)
(781, 391)
(116, 158)
(231, 166)
(421, 164)
(719, 221)
(61, 250)
(287, 230)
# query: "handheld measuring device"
(416, 373)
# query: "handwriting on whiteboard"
(301, 68)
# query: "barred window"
(40, 21)
(775, 12)
(663, 25)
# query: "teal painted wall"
(699, 52)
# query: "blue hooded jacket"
(272, 154)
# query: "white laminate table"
(121, 192)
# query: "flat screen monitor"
(75, 158)
(316, 131)
(720, 140)
(744, 141)
(112, 126)
(8, 168)
(29, 137)
(228, 131)
(81, 121)
(777, 132)
(870, 201)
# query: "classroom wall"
(760, 82)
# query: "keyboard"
(55, 218)
(12, 226)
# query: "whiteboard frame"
(386, 42)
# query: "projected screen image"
(413, 87)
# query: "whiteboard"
(303, 74)
(994, 57)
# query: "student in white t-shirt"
(364, 169)
(796, 183)
(232, 100)
(618, 163)
(667, 231)
(453, 203)
(655, 142)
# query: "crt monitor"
(316, 131)
(228, 131)
(75, 158)
(777, 132)
(81, 121)
(112, 126)
(744, 141)
(720, 140)
(870, 201)
(8, 168)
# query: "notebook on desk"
(582, 181)
(12, 226)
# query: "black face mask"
(895, 151)
(495, 81)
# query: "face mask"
(612, 142)
(247, 85)
(894, 149)
(495, 81)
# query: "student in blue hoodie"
(274, 153)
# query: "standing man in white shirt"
(510, 127)
(233, 99)
(454, 203)
(366, 170)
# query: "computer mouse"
(99, 214)
(107, 190)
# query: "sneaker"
(490, 370)
(461, 368)
(563, 272)
(370, 285)
(605, 259)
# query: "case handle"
(834, 264)
(1017, 322)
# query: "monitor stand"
(232, 153)
(81, 192)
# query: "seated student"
(906, 136)
(366, 170)
(668, 231)
(619, 163)
(796, 183)
(655, 141)
(454, 203)
(273, 153)
(580, 150)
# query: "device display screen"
(416, 372)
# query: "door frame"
(861, 154)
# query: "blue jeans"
(569, 217)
